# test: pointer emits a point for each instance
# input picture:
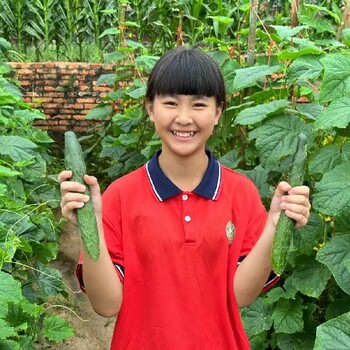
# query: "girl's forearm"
(102, 284)
(254, 270)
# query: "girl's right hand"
(73, 197)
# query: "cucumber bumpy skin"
(74, 161)
(285, 226)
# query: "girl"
(185, 242)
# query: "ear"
(218, 114)
(149, 108)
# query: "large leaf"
(5, 172)
(6, 331)
(288, 316)
(294, 54)
(335, 254)
(305, 67)
(256, 114)
(99, 112)
(17, 148)
(336, 115)
(309, 276)
(286, 32)
(307, 238)
(246, 77)
(277, 138)
(332, 193)
(56, 329)
(336, 80)
(326, 158)
(10, 290)
(256, 318)
(334, 334)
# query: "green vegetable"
(74, 161)
(286, 226)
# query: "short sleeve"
(112, 226)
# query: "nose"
(183, 116)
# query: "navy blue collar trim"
(164, 188)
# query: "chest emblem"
(230, 231)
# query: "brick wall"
(63, 91)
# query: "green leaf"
(260, 178)
(147, 62)
(335, 254)
(230, 159)
(256, 114)
(108, 79)
(288, 316)
(110, 31)
(9, 345)
(334, 334)
(320, 24)
(307, 238)
(56, 329)
(138, 93)
(310, 110)
(292, 55)
(17, 148)
(6, 331)
(5, 172)
(336, 115)
(286, 33)
(277, 138)
(47, 281)
(336, 80)
(99, 112)
(309, 276)
(332, 193)
(305, 68)
(256, 318)
(328, 157)
(10, 289)
(246, 77)
(45, 252)
(228, 69)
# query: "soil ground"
(92, 332)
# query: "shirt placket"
(188, 218)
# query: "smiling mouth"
(183, 134)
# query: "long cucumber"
(74, 161)
(286, 226)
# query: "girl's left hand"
(294, 201)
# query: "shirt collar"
(163, 187)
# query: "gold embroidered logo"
(230, 231)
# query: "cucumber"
(74, 161)
(285, 226)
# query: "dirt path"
(92, 331)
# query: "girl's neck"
(185, 172)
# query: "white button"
(184, 197)
(187, 218)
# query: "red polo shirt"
(176, 253)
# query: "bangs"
(186, 72)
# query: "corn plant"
(43, 23)
(14, 19)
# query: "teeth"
(183, 134)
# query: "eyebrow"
(194, 97)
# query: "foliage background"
(287, 70)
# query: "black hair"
(187, 71)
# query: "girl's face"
(184, 122)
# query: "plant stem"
(252, 31)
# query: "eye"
(169, 103)
(200, 105)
